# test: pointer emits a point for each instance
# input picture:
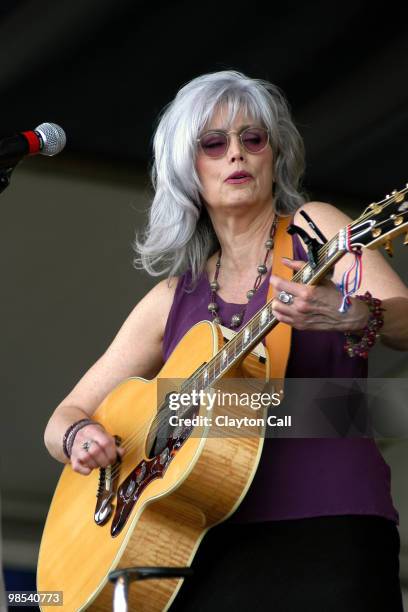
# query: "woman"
(227, 166)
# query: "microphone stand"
(5, 176)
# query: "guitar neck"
(264, 321)
(378, 225)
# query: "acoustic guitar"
(154, 507)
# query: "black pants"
(328, 564)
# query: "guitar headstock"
(381, 222)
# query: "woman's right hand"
(102, 450)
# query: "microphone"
(47, 139)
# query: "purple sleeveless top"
(298, 477)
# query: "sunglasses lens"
(214, 144)
(254, 139)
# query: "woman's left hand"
(316, 307)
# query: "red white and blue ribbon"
(352, 277)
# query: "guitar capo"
(312, 244)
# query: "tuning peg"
(389, 248)
(406, 239)
(376, 208)
(397, 220)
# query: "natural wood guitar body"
(202, 485)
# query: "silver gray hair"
(179, 233)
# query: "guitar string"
(160, 417)
(157, 418)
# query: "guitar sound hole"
(162, 432)
(159, 445)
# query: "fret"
(332, 248)
(222, 361)
(217, 366)
(238, 342)
(247, 336)
(306, 273)
(194, 387)
(184, 387)
(264, 317)
(342, 239)
(205, 377)
(255, 326)
(214, 368)
(188, 390)
(212, 371)
(236, 349)
(231, 351)
(198, 383)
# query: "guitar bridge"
(108, 480)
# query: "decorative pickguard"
(139, 478)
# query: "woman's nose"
(235, 150)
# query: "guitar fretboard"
(263, 321)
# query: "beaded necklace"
(262, 269)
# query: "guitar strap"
(278, 340)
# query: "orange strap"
(278, 340)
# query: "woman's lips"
(237, 180)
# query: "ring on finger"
(87, 445)
(285, 297)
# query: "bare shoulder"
(162, 295)
(140, 338)
(136, 349)
(156, 304)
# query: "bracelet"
(359, 345)
(70, 434)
